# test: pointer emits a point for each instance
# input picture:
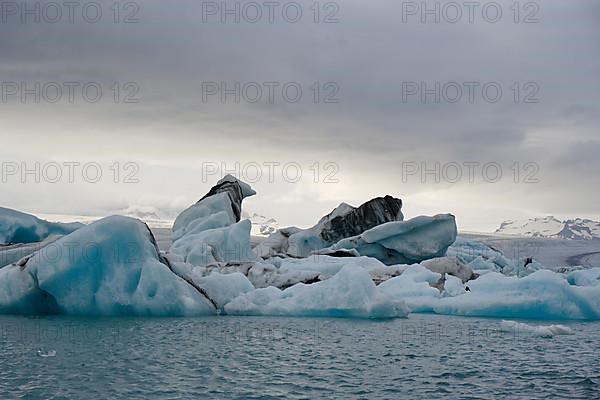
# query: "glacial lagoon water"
(421, 357)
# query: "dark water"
(423, 357)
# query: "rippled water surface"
(422, 357)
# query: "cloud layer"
(367, 61)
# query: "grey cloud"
(368, 54)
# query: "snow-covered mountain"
(551, 227)
(261, 225)
(142, 212)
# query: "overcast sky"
(374, 140)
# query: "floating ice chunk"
(518, 267)
(349, 293)
(524, 330)
(415, 288)
(49, 353)
(222, 288)
(453, 286)
(584, 277)
(418, 273)
(110, 267)
(451, 266)
(263, 274)
(560, 330)
(18, 227)
(481, 265)
(321, 267)
(260, 274)
(327, 264)
(541, 295)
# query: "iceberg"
(344, 221)
(405, 242)
(220, 207)
(210, 231)
(110, 267)
(19, 227)
(541, 295)
(364, 262)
